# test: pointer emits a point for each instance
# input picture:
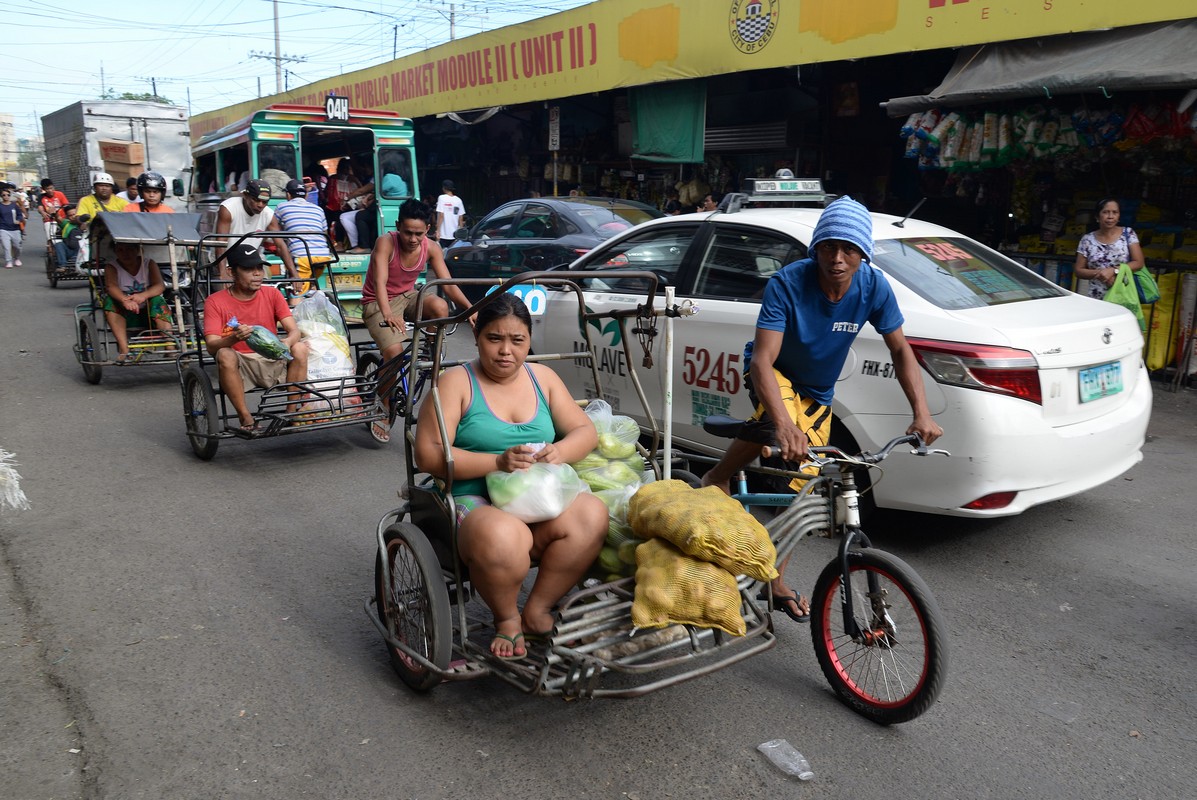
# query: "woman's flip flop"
(518, 651)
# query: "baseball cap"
(245, 256)
(295, 188)
(259, 190)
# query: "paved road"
(194, 630)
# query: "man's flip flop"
(380, 429)
(518, 651)
(781, 602)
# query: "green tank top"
(480, 431)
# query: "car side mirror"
(461, 233)
(176, 187)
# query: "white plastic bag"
(535, 494)
(326, 337)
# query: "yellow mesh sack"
(672, 588)
(705, 524)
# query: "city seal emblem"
(753, 23)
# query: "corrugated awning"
(1140, 57)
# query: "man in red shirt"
(251, 304)
(50, 205)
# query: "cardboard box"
(122, 172)
(120, 152)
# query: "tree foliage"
(150, 96)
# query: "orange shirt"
(162, 208)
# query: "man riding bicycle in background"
(49, 205)
(810, 315)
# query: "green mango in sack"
(1125, 293)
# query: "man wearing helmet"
(102, 197)
(152, 188)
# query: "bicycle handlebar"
(831, 454)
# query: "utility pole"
(278, 64)
(278, 60)
(452, 17)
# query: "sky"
(199, 51)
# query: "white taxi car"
(1041, 393)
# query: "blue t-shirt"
(817, 332)
(393, 185)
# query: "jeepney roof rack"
(783, 188)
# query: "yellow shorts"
(310, 269)
(811, 417)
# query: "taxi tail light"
(992, 501)
(1002, 370)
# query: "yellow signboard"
(614, 43)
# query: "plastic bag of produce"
(325, 334)
(705, 524)
(611, 475)
(265, 343)
(616, 500)
(535, 494)
(617, 434)
(673, 588)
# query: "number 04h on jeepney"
(286, 141)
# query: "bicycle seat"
(722, 425)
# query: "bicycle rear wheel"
(894, 671)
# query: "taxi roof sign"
(778, 190)
(787, 186)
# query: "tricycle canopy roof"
(146, 228)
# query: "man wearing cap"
(449, 213)
(101, 198)
(304, 256)
(251, 305)
(810, 315)
(247, 213)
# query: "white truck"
(121, 137)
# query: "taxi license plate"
(1101, 381)
(352, 281)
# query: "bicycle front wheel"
(894, 669)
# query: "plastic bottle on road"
(787, 759)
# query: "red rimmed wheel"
(893, 671)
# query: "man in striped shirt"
(304, 256)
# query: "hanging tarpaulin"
(669, 121)
(1137, 58)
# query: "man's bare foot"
(723, 487)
